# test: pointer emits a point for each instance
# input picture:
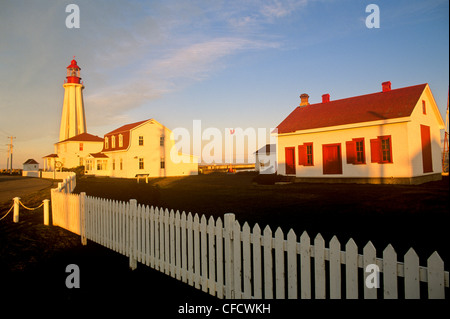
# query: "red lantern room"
(73, 72)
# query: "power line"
(4, 132)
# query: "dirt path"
(18, 186)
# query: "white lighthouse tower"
(73, 120)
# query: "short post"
(133, 234)
(229, 220)
(16, 209)
(46, 211)
(83, 218)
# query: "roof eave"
(348, 126)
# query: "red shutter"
(427, 160)
(351, 151)
(375, 150)
(302, 155)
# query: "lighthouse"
(73, 120)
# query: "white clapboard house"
(392, 136)
(141, 148)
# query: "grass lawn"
(402, 215)
(33, 257)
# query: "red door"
(332, 163)
(290, 160)
(426, 149)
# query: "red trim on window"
(381, 150)
(309, 154)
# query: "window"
(360, 156)
(305, 154)
(163, 163)
(355, 151)
(381, 149)
(106, 142)
(114, 164)
(88, 165)
(120, 140)
(141, 140)
(309, 154)
(141, 163)
(121, 164)
(113, 141)
(424, 107)
(161, 140)
(386, 150)
(101, 165)
(81, 147)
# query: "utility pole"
(11, 154)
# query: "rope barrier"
(7, 212)
(29, 207)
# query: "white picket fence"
(230, 261)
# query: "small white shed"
(30, 165)
(266, 159)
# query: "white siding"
(400, 167)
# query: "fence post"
(46, 211)
(83, 218)
(133, 231)
(229, 220)
(16, 209)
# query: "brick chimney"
(386, 86)
(325, 98)
(304, 99)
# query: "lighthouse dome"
(73, 65)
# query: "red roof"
(126, 127)
(365, 108)
(50, 155)
(125, 132)
(98, 155)
(30, 161)
(83, 137)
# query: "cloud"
(129, 54)
(196, 60)
(279, 9)
(257, 14)
(179, 67)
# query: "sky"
(230, 64)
